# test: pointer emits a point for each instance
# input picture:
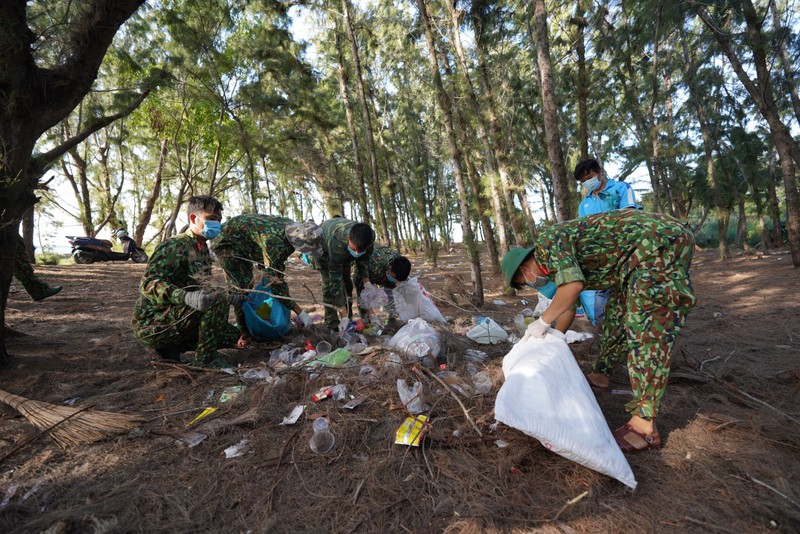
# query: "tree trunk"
(781, 34)
(27, 234)
(774, 202)
(144, 217)
(445, 105)
(555, 152)
(582, 85)
(362, 96)
(741, 227)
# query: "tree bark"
(445, 105)
(144, 217)
(582, 85)
(786, 61)
(362, 96)
(555, 152)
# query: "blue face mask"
(211, 229)
(391, 278)
(354, 253)
(592, 184)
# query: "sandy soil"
(731, 460)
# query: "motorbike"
(87, 250)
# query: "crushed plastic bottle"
(322, 441)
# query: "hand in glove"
(305, 319)
(200, 300)
(237, 299)
(537, 330)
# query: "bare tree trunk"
(774, 202)
(144, 217)
(362, 95)
(781, 34)
(27, 234)
(582, 87)
(445, 105)
(741, 227)
(555, 152)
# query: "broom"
(70, 426)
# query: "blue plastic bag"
(593, 303)
(279, 322)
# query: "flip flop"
(596, 388)
(653, 440)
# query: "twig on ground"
(704, 524)
(570, 503)
(175, 366)
(452, 393)
(715, 358)
(774, 490)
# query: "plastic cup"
(323, 347)
(322, 441)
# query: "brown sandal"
(653, 440)
(595, 387)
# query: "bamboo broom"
(70, 426)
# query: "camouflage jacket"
(336, 259)
(179, 264)
(257, 240)
(602, 250)
(379, 265)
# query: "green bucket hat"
(511, 262)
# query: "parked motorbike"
(89, 250)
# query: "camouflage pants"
(642, 321)
(184, 328)
(23, 272)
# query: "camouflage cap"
(306, 238)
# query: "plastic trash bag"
(372, 297)
(279, 322)
(417, 339)
(411, 301)
(411, 397)
(546, 396)
(487, 331)
(594, 304)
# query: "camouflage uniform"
(23, 272)
(334, 266)
(378, 266)
(247, 241)
(162, 320)
(644, 258)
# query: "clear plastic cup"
(322, 441)
(323, 347)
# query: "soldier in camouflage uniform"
(174, 313)
(265, 241)
(343, 243)
(23, 272)
(644, 259)
(386, 269)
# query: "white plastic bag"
(411, 397)
(541, 306)
(487, 331)
(417, 339)
(546, 396)
(412, 301)
(372, 297)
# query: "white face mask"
(592, 184)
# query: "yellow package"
(411, 431)
(264, 311)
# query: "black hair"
(201, 203)
(585, 167)
(401, 268)
(362, 236)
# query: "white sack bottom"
(546, 396)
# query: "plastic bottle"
(322, 441)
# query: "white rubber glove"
(199, 300)
(537, 330)
(305, 319)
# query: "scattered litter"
(368, 374)
(10, 492)
(228, 370)
(482, 383)
(474, 355)
(193, 439)
(294, 415)
(236, 450)
(717, 315)
(334, 359)
(354, 403)
(498, 302)
(322, 441)
(205, 413)
(322, 393)
(411, 431)
(523, 302)
(487, 331)
(258, 374)
(230, 393)
(541, 306)
(578, 337)
(622, 392)
(522, 320)
(502, 444)
(411, 397)
(411, 301)
(28, 494)
(286, 355)
(339, 392)
(323, 348)
(417, 339)
(72, 401)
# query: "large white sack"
(412, 301)
(546, 396)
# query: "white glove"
(305, 319)
(237, 299)
(537, 330)
(199, 300)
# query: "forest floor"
(730, 423)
